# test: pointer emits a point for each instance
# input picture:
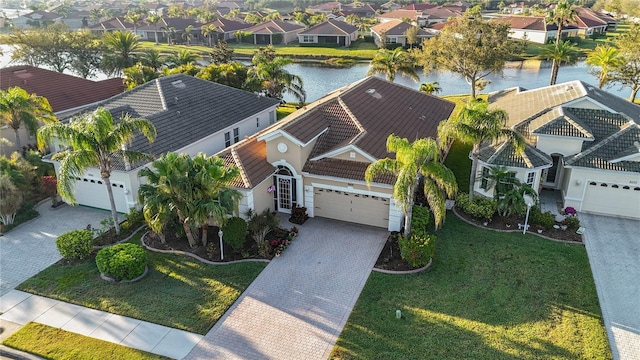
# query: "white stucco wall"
(539, 37)
(559, 145)
(575, 187)
(521, 174)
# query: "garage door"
(93, 192)
(352, 207)
(612, 199)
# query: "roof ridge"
(496, 152)
(163, 100)
(577, 123)
(361, 129)
(624, 129)
(240, 165)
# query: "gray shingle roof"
(330, 27)
(503, 154)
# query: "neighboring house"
(190, 115)
(174, 27)
(436, 13)
(36, 19)
(155, 8)
(66, 93)
(275, 32)
(394, 32)
(589, 23)
(519, 7)
(316, 157)
(113, 24)
(535, 29)
(227, 28)
(325, 8)
(612, 22)
(359, 9)
(416, 17)
(390, 6)
(582, 141)
(329, 32)
(77, 20)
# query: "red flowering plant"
(50, 187)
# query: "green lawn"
(179, 291)
(285, 110)
(56, 344)
(489, 295)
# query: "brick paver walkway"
(613, 245)
(297, 306)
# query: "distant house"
(358, 9)
(226, 29)
(190, 115)
(535, 29)
(171, 29)
(274, 32)
(36, 19)
(394, 32)
(589, 23)
(329, 32)
(326, 8)
(66, 93)
(414, 16)
(77, 20)
(113, 24)
(390, 6)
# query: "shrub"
(417, 249)
(572, 222)
(235, 232)
(420, 217)
(546, 220)
(122, 262)
(75, 245)
(481, 207)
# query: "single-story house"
(317, 156)
(535, 29)
(329, 32)
(416, 17)
(581, 140)
(325, 8)
(274, 32)
(173, 27)
(66, 94)
(190, 115)
(589, 23)
(227, 28)
(394, 32)
(36, 19)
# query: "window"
(257, 122)
(227, 139)
(484, 183)
(531, 176)
(236, 135)
(307, 39)
(392, 40)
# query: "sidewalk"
(20, 308)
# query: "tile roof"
(345, 169)
(536, 23)
(565, 125)
(397, 27)
(330, 27)
(229, 25)
(587, 18)
(63, 91)
(401, 14)
(184, 110)
(116, 23)
(274, 27)
(503, 154)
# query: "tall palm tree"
(187, 35)
(430, 88)
(605, 58)
(276, 80)
(120, 51)
(135, 19)
(154, 19)
(391, 62)
(561, 15)
(207, 31)
(412, 162)
(565, 52)
(476, 124)
(18, 108)
(139, 74)
(152, 58)
(182, 57)
(171, 33)
(94, 140)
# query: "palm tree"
(430, 88)
(561, 15)
(390, 63)
(135, 19)
(152, 58)
(476, 124)
(171, 33)
(508, 191)
(606, 58)
(19, 108)
(275, 79)
(138, 75)
(412, 162)
(240, 34)
(207, 31)
(565, 52)
(94, 139)
(120, 51)
(182, 57)
(154, 19)
(187, 35)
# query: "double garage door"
(93, 193)
(612, 199)
(352, 207)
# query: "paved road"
(613, 246)
(297, 306)
(31, 247)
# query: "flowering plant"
(570, 211)
(271, 189)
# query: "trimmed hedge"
(122, 262)
(234, 232)
(420, 217)
(75, 245)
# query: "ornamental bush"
(235, 232)
(75, 245)
(122, 262)
(420, 217)
(572, 222)
(546, 220)
(417, 249)
(481, 207)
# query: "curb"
(178, 252)
(405, 272)
(11, 353)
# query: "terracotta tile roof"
(396, 28)
(63, 91)
(419, 7)
(330, 27)
(345, 169)
(587, 18)
(250, 157)
(536, 23)
(401, 14)
(274, 27)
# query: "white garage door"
(93, 192)
(352, 207)
(612, 199)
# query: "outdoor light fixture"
(528, 200)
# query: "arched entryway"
(286, 190)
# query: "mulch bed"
(389, 258)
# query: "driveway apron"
(613, 246)
(31, 247)
(299, 304)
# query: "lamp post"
(528, 200)
(221, 249)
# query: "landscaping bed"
(389, 258)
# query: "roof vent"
(374, 93)
(178, 84)
(568, 88)
(371, 91)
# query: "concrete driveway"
(298, 305)
(31, 247)
(613, 246)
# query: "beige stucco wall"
(9, 134)
(261, 198)
(347, 156)
(295, 155)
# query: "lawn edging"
(110, 279)
(513, 231)
(98, 247)
(405, 272)
(178, 252)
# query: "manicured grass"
(489, 295)
(179, 291)
(458, 161)
(52, 343)
(285, 110)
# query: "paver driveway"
(613, 246)
(298, 305)
(31, 247)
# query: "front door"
(285, 189)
